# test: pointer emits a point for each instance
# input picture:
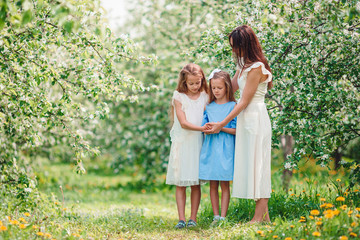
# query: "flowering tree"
(313, 50)
(58, 65)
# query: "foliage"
(312, 48)
(58, 65)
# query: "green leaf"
(26, 17)
(68, 26)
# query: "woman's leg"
(195, 201)
(180, 202)
(214, 196)
(225, 197)
(261, 211)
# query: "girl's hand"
(214, 127)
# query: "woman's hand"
(213, 127)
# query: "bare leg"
(180, 202)
(225, 197)
(261, 211)
(195, 201)
(214, 196)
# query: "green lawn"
(103, 205)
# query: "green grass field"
(103, 205)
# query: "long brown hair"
(245, 44)
(229, 90)
(195, 70)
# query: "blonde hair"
(195, 70)
(229, 90)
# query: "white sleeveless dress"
(183, 167)
(252, 162)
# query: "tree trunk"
(287, 143)
(337, 158)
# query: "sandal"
(191, 223)
(181, 224)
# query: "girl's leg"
(180, 201)
(261, 211)
(214, 196)
(225, 197)
(195, 201)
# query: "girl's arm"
(252, 82)
(234, 81)
(182, 118)
(229, 130)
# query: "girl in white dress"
(189, 101)
(252, 162)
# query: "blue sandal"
(181, 224)
(191, 223)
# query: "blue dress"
(217, 152)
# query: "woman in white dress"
(252, 168)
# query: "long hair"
(229, 90)
(195, 70)
(246, 45)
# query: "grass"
(103, 205)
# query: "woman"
(252, 168)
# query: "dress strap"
(263, 69)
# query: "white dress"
(252, 162)
(183, 168)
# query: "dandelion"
(274, 223)
(47, 235)
(76, 235)
(275, 236)
(357, 209)
(318, 195)
(353, 234)
(314, 212)
(290, 189)
(27, 214)
(350, 212)
(357, 215)
(40, 233)
(143, 190)
(14, 222)
(302, 220)
(343, 238)
(259, 232)
(329, 205)
(22, 226)
(292, 226)
(338, 180)
(292, 194)
(34, 227)
(322, 199)
(288, 238)
(346, 193)
(3, 228)
(22, 220)
(350, 229)
(316, 234)
(1, 223)
(354, 224)
(340, 199)
(343, 207)
(311, 217)
(319, 223)
(336, 212)
(356, 190)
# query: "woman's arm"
(182, 118)
(252, 82)
(229, 130)
(234, 81)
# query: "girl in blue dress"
(217, 153)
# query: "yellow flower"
(357, 209)
(275, 236)
(318, 195)
(354, 224)
(3, 228)
(9, 218)
(338, 180)
(336, 212)
(323, 205)
(48, 235)
(292, 226)
(22, 226)
(288, 238)
(353, 234)
(357, 215)
(319, 223)
(322, 199)
(329, 205)
(343, 238)
(350, 229)
(76, 235)
(259, 232)
(356, 190)
(343, 207)
(14, 222)
(314, 212)
(311, 217)
(292, 194)
(40, 233)
(34, 227)
(350, 212)
(1, 223)
(302, 217)
(27, 214)
(302, 220)
(340, 199)
(274, 223)
(290, 189)
(346, 193)
(329, 215)
(316, 234)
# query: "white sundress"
(252, 162)
(183, 167)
